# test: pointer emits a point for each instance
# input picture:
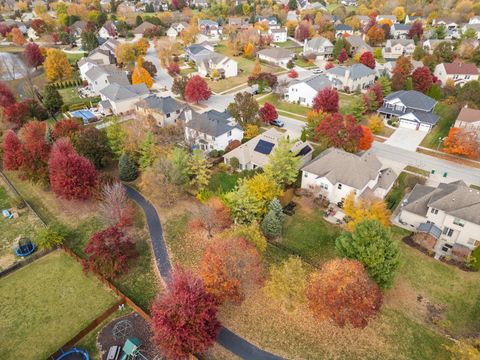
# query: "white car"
(317, 71)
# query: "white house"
(165, 110)
(469, 119)
(335, 173)
(304, 91)
(120, 99)
(321, 47)
(391, 18)
(32, 34)
(255, 153)
(176, 29)
(450, 212)
(458, 72)
(343, 30)
(474, 26)
(351, 78)
(394, 48)
(140, 29)
(400, 31)
(108, 30)
(431, 44)
(207, 61)
(211, 130)
(277, 56)
(358, 45)
(100, 76)
(209, 28)
(413, 109)
(278, 35)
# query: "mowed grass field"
(45, 304)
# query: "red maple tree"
(17, 114)
(401, 71)
(268, 113)
(326, 100)
(109, 252)
(422, 79)
(373, 98)
(197, 89)
(32, 55)
(302, 31)
(6, 96)
(230, 268)
(366, 140)
(12, 151)
(184, 317)
(340, 131)
(35, 150)
(173, 69)
(66, 128)
(462, 142)
(39, 26)
(343, 292)
(71, 176)
(367, 59)
(342, 56)
(416, 30)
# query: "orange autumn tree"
(366, 140)
(342, 292)
(213, 217)
(17, 37)
(248, 50)
(368, 208)
(230, 268)
(140, 75)
(461, 142)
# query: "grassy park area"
(45, 304)
(448, 114)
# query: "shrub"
(127, 168)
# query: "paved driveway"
(407, 139)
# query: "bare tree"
(116, 208)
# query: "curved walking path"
(226, 338)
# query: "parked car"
(317, 71)
(278, 123)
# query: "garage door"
(408, 124)
(424, 127)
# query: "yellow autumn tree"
(257, 68)
(248, 50)
(399, 13)
(251, 130)
(56, 65)
(264, 189)
(375, 123)
(361, 209)
(125, 53)
(141, 47)
(140, 75)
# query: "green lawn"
(73, 58)
(223, 182)
(70, 97)
(45, 304)
(304, 63)
(275, 100)
(448, 115)
(26, 225)
(310, 237)
(346, 102)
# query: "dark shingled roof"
(213, 123)
(413, 99)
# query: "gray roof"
(401, 27)
(426, 117)
(317, 42)
(165, 105)
(404, 42)
(213, 122)
(339, 166)
(343, 27)
(276, 53)
(207, 22)
(113, 74)
(413, 99)
(316, 82)
(456, 199)
(116, 92)
(357, 42)
(140, 29)
(356, 71)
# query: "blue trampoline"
(84, 114)
(74, 354)
(25, 247)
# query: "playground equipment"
(122, 330)
(7, 214)
(25, 247)
(74, 354)
(131, 350)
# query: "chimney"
(188, 115)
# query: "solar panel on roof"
(264, 147)
(305, 150)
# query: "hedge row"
(67, 83)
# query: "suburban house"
(449, 23)
(391, 18)
(209, 28)
(410, 19)
(32, 34)
(400, 31)
(140, 29)
(105, 56)
(304, 91)
(351, 78)
(450, 213)
(110, 45)
(239, 22)
(387, 68)
(431, 44)
(270, 21)
(211, 130)
(208, 61)
(100, 76)
(78, 27)
(120, 99)
(343, 30)
(176, 29)
(468, 119)
(458, 72)
(320, 47)
(358, 45)
(474, 20)
(255, 153)
(364, 19)
(277, 56)
(164, 110)
(473, 26)
(349, 2)
(394, 48)
(278, 35)
(108, 30)
(413, 109)
(336, 173)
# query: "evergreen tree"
(52, 100)
(127, 168)
(292, 5)
(116, 137)
(272, 222)
(385, 85)
(358, 108)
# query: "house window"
(339, 186)
(167, 115)
(213, 138)
(434, 211)
(458, 222)
(324, 186)
(447, 231)
(229, 133)
(472, 242)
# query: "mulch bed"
(141, 330)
